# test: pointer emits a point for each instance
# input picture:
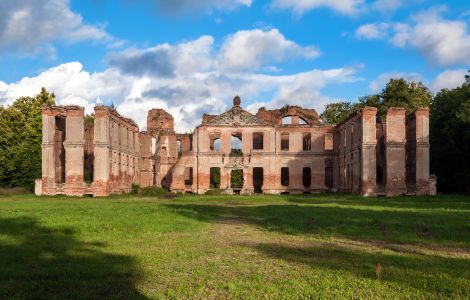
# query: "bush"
(153, 191)
(135, 189)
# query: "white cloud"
(387, 5)
(372, 31)
(29, 27)
(299, 7)
(188, 80)
(248, 49)
(449, 79)
(440, 41)
(379, 83)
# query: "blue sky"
(191, 57)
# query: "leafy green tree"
(450, 138)
(20, 140)
(397, 92)
(337, 112)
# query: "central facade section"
(275, 151)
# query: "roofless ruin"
(285, 150)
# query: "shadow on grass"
(438, 276)
(38, 262)
(449, 228)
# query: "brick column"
(248, 188)
(74, 151)
(47, 148)
(101, 143)
(395, 152)
(422, 151)
(318, 174)
(368, 155)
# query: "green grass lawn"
(306, 246)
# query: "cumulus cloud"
(440, 41)
(372, 31)
(165, 60)
(28, 27)
(186, 79)
(346, 7)
(449, 79)
(379, 83)
(181, 7)
(253, 48)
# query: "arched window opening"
(236, 144)
(215, 144)
(287, 120)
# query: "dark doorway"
(329, 173)
(285, 176)
(215, 177)
(258, 176)
(307, 177)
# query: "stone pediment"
(235, 116)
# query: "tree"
(335, 113)
(397, 93)
(450, 138)
(20, 140)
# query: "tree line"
(21, 125)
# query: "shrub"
(135, 189)
(153, 191)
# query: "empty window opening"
(302, 121)
(59, 149)
(178, 147)
(329, 173)
(236, 179)
(215, 177)
(258, 141)
(236, 144)
(379, 176)
(188, 176)
(258, 177)
(88, 167)
(307, 141)
(287, 120)
(154, 174)
(307, 177)
(215, 142)
(284, 141)
(352, 134)
(285, 176)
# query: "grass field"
(217, 247)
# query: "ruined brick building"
(287, 150)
